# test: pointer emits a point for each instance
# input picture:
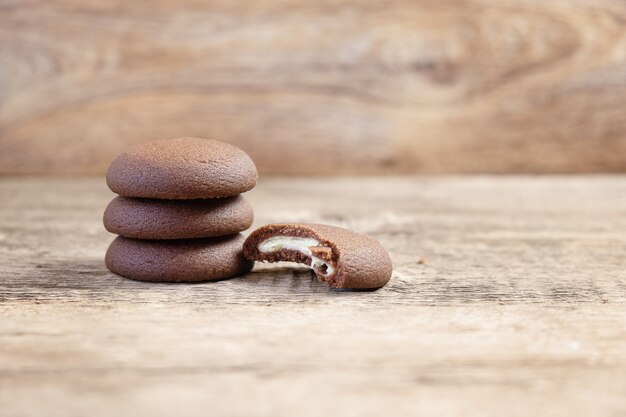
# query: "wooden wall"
(318, 87)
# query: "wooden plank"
(508, 298)
(318, 87)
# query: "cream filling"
(298, 244)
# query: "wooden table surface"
(405, 86)
(508, 298)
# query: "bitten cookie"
(340, 257)
(177, 219)
(190, 260)
(183, 168)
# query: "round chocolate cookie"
(183, 168)
(340, 257)
(177, 219)
(189, 260)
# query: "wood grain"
(318, 87)
(508, 298)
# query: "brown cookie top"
(189, 260)
(183, 168)
(177, 219)
(340, 257)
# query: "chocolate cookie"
(177, 219)
(183, 168)
(340, 257)
(189, 260)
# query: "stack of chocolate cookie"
(179, 213)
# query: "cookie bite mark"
(319, 257)
(340, 257)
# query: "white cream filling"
(299, 244)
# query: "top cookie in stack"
(179, 213)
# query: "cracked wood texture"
(508, 298)
(422, 86)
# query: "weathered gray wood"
(508, 298)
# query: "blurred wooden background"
(318, 87)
